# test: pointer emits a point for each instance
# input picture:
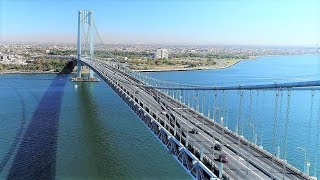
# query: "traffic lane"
(209, 142)
(243, 171)
(244, 150)
(257, 159)
(277, 171)
(237, 163)
(230, 168)
(151, 103)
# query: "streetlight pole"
(189, 99)
(305, 158)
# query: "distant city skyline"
(203, 22)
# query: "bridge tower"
(85, 17)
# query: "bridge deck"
(246, 160)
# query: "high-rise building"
(161, 53)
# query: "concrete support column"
(91, 40)
(79, 45)
(91, 74)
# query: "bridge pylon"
(85, 17)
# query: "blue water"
(259, 108)
(51, 130)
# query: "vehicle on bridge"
(217, 147)
(223, 158)
(194, 131)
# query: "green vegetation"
(179, 60)
(128, 54)
(39, 65)
(166, 64)
(62, 52)
(144, 60)
(208, 56)
(149, 55)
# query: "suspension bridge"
(185, 117)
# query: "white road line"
(226, 152)
(222, 137)
(148, 96)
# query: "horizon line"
(170, 44)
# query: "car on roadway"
(217, 147)
(164, 112)
(194, 131)
(223, 158)
(184, 133)
(178, 124)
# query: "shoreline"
(31, 72)
(190, 69)
(28, 72)
(147, 70)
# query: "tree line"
(38, 65)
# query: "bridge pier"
(79, 68)
(91, 74)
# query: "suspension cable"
(254, 119)
(237, 128)
(279, 118)
(310, 120)
(286, 131)
(262, 124)
(251, 121)
(197, 101)
(208, 106)
(253, 126)
(202, 109)
(275, 123)
(240, 113)
(223, 107)
(227, 110)
(215, 106)
(317, 143)
(269, 86)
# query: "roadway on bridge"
(245, 162)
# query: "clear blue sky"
(234, 22)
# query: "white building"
(161, 53)
(11, 59)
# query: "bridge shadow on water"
(15, 144)
(36, 155)
(101, 156)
